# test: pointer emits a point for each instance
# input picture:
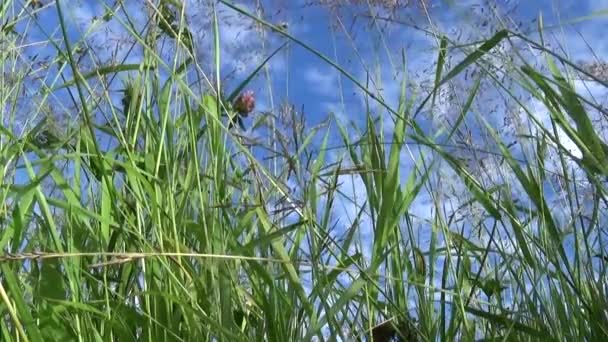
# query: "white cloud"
(322, 80)
(542, 114)
(597, 5)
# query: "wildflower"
(245, 103)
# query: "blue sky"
(302, 78)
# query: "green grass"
(144, 216)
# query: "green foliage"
(164, 222)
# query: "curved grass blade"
(470, 59)
(243, 84)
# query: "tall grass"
(134, 207)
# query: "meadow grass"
(132, 209)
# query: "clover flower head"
(245, 103)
